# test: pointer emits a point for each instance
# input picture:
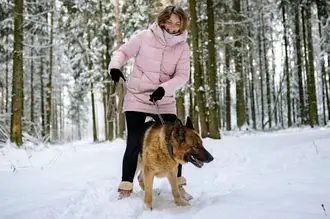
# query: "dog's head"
(188, 145)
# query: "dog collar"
(170, 150)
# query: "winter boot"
(125, 189)
(185, 195)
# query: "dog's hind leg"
(148, 179)
(173, 180)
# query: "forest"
(255, 65)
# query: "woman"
(161, 67)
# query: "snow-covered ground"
(275, 175)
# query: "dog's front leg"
(148, 178)
(172, 178)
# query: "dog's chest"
(163, 169)
(161, 164)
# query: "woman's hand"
(158, 94)
(116, 74)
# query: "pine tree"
(212, 73)
(240, 101)
(17, 89)
(198, 71)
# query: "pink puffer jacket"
(161, 59)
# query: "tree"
(6, 33)
(49, 105)
(17, 88)
(240, 101)
(286, 68)
(268, 84)
(198, 71)
(251, 78)
(228, 85)
(119, 41)
(299, 63)
(212, 74)
(312, 101)
(323, 14)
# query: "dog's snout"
(208, 156)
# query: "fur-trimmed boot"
(185, 195)
(125, 189)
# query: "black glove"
(116, 74)
(157, 94)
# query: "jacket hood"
(165, 38)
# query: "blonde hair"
(166, 13)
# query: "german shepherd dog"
(164, 147)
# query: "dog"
(164, 147)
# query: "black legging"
(135, 121)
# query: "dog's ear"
(189, 123)
(179, 130)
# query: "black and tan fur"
(165, 146)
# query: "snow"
(273, 175)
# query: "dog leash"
(158, 112)
(169, 145)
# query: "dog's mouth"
(190, 158)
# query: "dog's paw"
(147, 207)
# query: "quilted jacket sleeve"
(126, 51)
(181, 75)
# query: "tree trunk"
(228, 84)
(323, 14)
(287, 72)
(273, 80)
(261, 75)
(95, 134)
(268, 84)
(17, 84)
(198, 71)
(312, 101)
(42, 104)
(325, 94)
(251, 73)
(240, 101)
(328, 88)
(212, 74)
(305, 77)
(32, 103)
(328, 99)
(299, 64)
(90, 67)
(2, 100)
(50, 78)
(61, 116)
(180, 109)
(121, 127)
(7, 77)
(106, 92)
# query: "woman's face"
(173, 24)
